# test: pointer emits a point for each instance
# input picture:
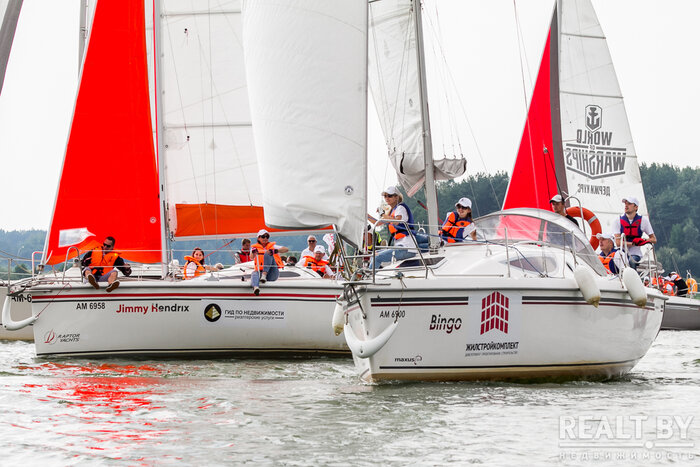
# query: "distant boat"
(530, 299)
(201, 183)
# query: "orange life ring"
(588, 216)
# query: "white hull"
(512, 309)
(21, 309)
(552, 332)
(158, 317)
(681, 314)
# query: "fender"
(592, 220)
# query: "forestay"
(309, 110)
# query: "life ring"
(592, 220)
(692, 285)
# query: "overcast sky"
(655, 45)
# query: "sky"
(492, 59)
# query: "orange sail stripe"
(109, 180)
(194, 220)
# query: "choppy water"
(316, 412)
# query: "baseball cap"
(631, 199)
(319, 249)
(556, 199)
(262, 232)
(391, 191)
(464, 202)
(609, 236)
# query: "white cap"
(556, 199)
(319, 249)
(609, 236)
(262, 232)
(631, 199)
(391, 191)
(464, 202)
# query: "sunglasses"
(265, 236)
(463, 207)
(312, 241)
(389, 196)
(107, 245)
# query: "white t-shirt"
(407, 241)
(645, 226)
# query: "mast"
(160, 135)
(8, 26)
(430, 192)
(555, 101)
(82, 32)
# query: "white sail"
(395, 86)
(309, 106)
(211, 169)
(599, 156)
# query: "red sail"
(109, 180)
(533, 182)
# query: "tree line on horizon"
(672, 195)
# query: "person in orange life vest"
(317, 263)
(244, 255)
(396, 209)
(101, 264)
(559, 206)
(267, 261)
(646, 282)
(667, 286)
(195, 266)
(458, 224)
(633, 226)
(609, 255)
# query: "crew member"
(266, 259)
(101, 265)
(633, 226)
(458, 224)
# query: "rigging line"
(436, 29)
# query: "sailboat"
(577, 141)
(145, 165)
(529, 299)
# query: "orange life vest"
(317, 266)
(398, 230)
(99, 261)
(260, 258)
(668, 288)
(606, 260)
(197, 272)
(451, 228)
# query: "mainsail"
(309, 106)
(395, 86)
(211, 170)
(577, 138)
(109, 183)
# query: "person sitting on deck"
(101, 265)
(317, 263)
(458, 224)
(195, 267)
(267, 261)
(609, 255)
(244, 254)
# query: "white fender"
(365, 349)
(338, 321)
(586, 282)
(7, 322)
(634, 286)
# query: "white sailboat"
(207, 186)
(530, 299)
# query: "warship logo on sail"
(592, 154)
